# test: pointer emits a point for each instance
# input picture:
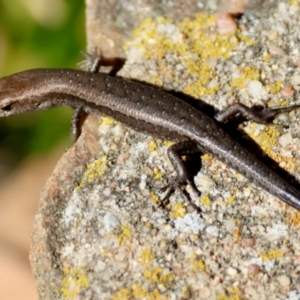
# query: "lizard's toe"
(179, 185)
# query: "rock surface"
(100, 233)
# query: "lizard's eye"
(7, 108)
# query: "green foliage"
(38, 34)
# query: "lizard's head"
(32, 90)
(16, 94)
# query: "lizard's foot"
(180, 185)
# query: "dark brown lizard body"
(145, 109)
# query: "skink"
(150, 110)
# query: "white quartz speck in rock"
(213, 230)
(293, 295)
(230, 225)
(277, 231)
(111, 222)
(284, 280)
(104, 128)
(204, 183)
(295, 79)
(106, 192)
(143, 184)
(118, 130)
(191, 222)
(100, 266)
(232, 272)
(68, 250)
(285, 139)
(255, 88)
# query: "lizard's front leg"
(93, 61)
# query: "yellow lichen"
(154, 197)
(245, 39)
(271, 254)
(234, 293)
(73, 282)
(266, 138)
(266, 56)
(152, 146)
(250, 73)
(197, 263)
(246, 74)
(148, 224)
(281, 102)
(205, 200)
(168, 143)
(94, 170)
(146, 257)
(122, 294)
(155, 294)
(125, 235)
(157, 173)
(107, 120)
(275, 87)
(238, 82)
(138, 292)
(158, 276)
(207, 157)
(230, 200)
(193, 42)
(178, 210)
(294, 219)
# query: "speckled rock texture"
(100, 232)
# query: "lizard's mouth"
(6, 108)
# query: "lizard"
(153, 111)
